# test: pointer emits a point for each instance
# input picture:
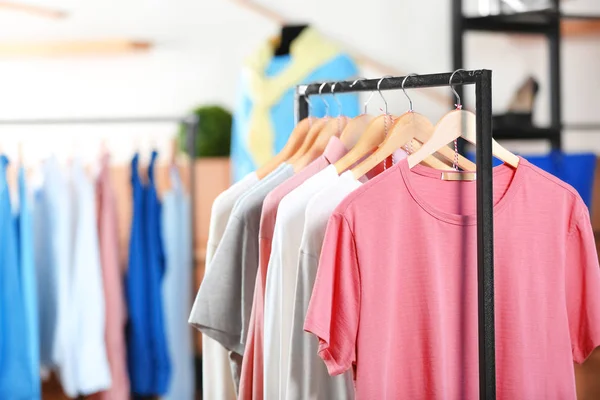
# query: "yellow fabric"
(308, 51)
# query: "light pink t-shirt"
(251, 379)
(115, 309)
(396, 287)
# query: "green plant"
(213, 135)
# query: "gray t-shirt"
(224, 301)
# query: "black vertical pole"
(485, 237)
(555, 73)
(191, 125)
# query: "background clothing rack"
(189, 121)
(191, 124)
(482, 79)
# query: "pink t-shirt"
(116, 311)
(396, 287)
(251, 379)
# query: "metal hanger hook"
(458, 100)
(381, 94)
(337, 101)
(360, 78)
(410, 103)
(310, 106)
(321, 97)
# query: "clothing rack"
(189, 121)
(482, 79)
(191, 124)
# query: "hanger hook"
(337, 101)
(360, 78)
(321, 97)
(458, 100)
(310, 106)
(380, 94)
(410, 103)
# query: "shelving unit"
(550, 23)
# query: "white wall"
(201, 46)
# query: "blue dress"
(147, 356)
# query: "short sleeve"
(334, 308)
(216, 311)
(582, 280)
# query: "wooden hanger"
(455, 124)
(354, 130)
(372, 137)
(424, 134)
(458, 123)
(309, 139)
(402, 132)
(292, 146)
(333, 127)
(407, 127)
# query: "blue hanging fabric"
(27, 276)
(139, 357)
(148, 360)
(156, 273)
(14, 368)
(176, 230)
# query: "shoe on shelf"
(520, 111)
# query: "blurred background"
(80, 81)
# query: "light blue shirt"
(28, 286)
(176, 226)
(52, 223)
(282, 114)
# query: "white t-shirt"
(281, 281)
(217, 382)
(308, 376)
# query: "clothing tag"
(458, 176)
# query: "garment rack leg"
(485, 237)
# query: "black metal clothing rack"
(482, 79)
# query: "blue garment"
(282, 114)
(176, 233)
(28, 287)
(14, 356)
(148, 360)
(52, 220)
(577, 170)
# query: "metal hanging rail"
(482, 79)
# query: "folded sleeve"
(582, 280)
(334, 308)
